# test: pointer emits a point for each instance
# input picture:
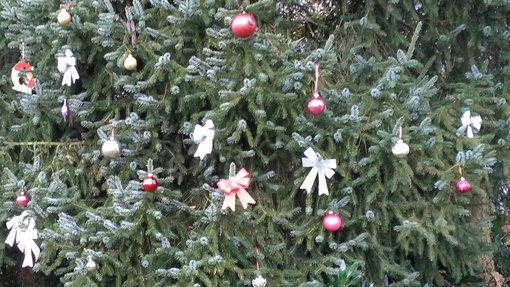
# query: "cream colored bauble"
(64, 17)
(400, 149)
(111, 148)
(91, 265)
(130, 63)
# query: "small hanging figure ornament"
(316, 105)
(203, 136)
(332, 222)
(258, 281)
(462, 185)
(66, 65)
(400, 149)
(111, 148)
(22, 199)
(321, 168)
(470, 125)
(150, 183)
(64, 111)
(23, 233)
(21, 74)
(63, 16)
(91, 265)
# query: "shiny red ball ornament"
(150, 183)
(462, 185)
(22, 199)
(243, 25)
(332, 222)
(315, 105)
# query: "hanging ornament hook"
(316, 85)
(66, 5)
(460, 170)
(257, 263)
(130, 26)
(240, 4)
(22, 49)
(150, 167)
(399, 132)
(232, 170)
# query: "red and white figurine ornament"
(332, 222)
(462, 185)
(23, 84)
(149, 183)
(316, 104)
(243, 25)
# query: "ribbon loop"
(203, 136)
(321, 168)
(236, 186)
(470, 125)
(67, 66)
(23, 233)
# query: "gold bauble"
(91, 265)
(130, 63)
(64, 17)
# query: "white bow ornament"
(67, 66)
(470, 125)
(321, 168)
(23, 230)
(203, 136)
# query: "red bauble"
(462, 185)
(150, 183)
(22, 199)
(332, 222)
(315, 105)
(243, 25)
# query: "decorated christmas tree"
(237, 143)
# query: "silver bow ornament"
(23, 233)
(470, 125)
(67, 66)
(321, 168)
(203, 136)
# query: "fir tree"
(383, 67)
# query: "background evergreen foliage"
(383, 64)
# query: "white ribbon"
(470, 125)
(320, 167)
(67, 66)
(23, 230)
(203, 136)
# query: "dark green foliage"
(384, 64)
